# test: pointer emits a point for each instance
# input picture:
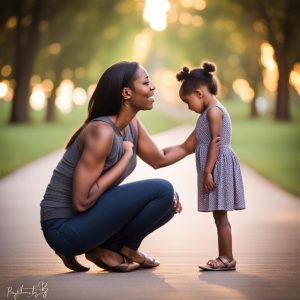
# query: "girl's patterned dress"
(229, 191)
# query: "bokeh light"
(270, 72)
(64, 92)
(295, 78)
(11, 22)
(3, 89)
(79, 96)
(142, 45)
(155, 12)
(34, 80)
(6, 70)
(54, 48)
(90, 90)
(38, 98)
(242, 88)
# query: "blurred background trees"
(53, 52)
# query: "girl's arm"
(156, 158)
(87, 184)
(215, 116)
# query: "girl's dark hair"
(107, 97)
(198, 76)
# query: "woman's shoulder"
(96, 132)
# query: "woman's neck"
(123, 118)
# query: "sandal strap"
(224, 260)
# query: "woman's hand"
(177, 204)
(209, 184)
(128, 148)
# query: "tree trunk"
(26, 49)
(282, 100)
(50, 116)
(253, 110)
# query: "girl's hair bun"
(184, 74)
(208, 67)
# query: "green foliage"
(271, 148)
(20, 144)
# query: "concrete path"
(266, 243)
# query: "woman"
(84, 209)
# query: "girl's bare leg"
(224, 237)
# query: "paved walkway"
(266, 243)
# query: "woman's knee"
(164, 189)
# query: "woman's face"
(142, 94)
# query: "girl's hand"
(209, 184)
(216, 143)
(128, 148)
(177, 204)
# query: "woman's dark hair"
(198, 76)
(107, 97)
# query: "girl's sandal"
(226, 265)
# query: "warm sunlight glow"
(6, 90)
(64, 96)
(155, 13)
(168, 85)
(270, 73)
(142, 44)
(38, 98)
(6, 70)
(187, 3)
(11, 22)
(90, 90)
(242, 88)
(54, 48)
(47, 86)
(199, 4)
(35, 79)
(3, 89)
(185, 18)
(79, 96)
(295, 78)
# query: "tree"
(281, 19)
(78, 29)
(26, 49)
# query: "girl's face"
(142, 94)
(194, 100)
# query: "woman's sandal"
(125, 266)
(71, 263)
(149, 262)
(226, 265)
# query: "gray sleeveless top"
(57, 201)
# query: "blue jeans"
(122, 216)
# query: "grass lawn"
(271, 148)
(21, 144)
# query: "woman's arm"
(87, 184)
(215, 116)
(156, 158)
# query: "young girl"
(220, 185)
